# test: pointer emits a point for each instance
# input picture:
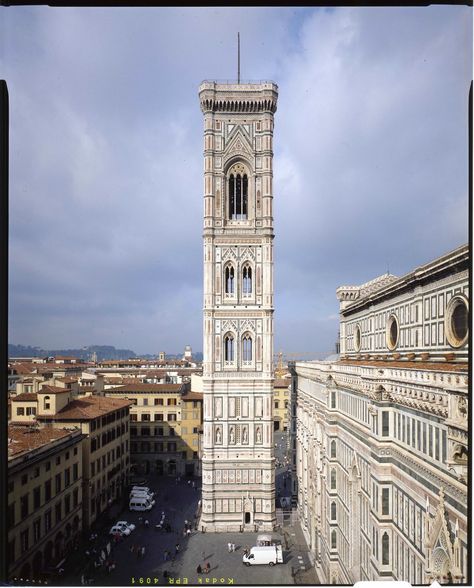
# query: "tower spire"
(238, 58)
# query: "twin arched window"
(229, 348)
(229, 281)
(238, 196)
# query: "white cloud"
(106, 160)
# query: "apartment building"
(165, 425)
(44, 510)
(106, 459)
(280, 403)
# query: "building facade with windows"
(165, 427)
(381, 433)
(106, 447)
(238, 490)
(281, 399)
(44, 513)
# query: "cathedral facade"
(238, 479)
(382, 432)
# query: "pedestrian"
(176, 548)
(185, 523)
(208, 567)
(203, 555)
(165, 574)
(83, 580)
(138, 551)
(143, 551)
(184, 532)
(229, 547)
(147, 523)
(233, 547)
(199, 569)
(165, 555)
(194, 484)
(188, 532)
(132, 548)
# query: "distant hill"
(102, 352)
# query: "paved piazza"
(179, 501)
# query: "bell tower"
(238, 473)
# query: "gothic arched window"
(229, 279)
(333, 511)
(46, 404)
(247, 348)
(238, 196)
(246, 280)
(333, 479)
(333, 539)
(229, 347)
(333, 449)
(385, 549)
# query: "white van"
(264, 555)
(139, 503)
(144, 496)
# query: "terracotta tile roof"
(88, 408)
(281, 382)
(437, 366)
(25, 397)
(53, 390)
(131, 380)
(155, 372)
(23, 368)
(24, 439)
(138, 387)
(193, 396)
(59, 367)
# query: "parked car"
(121, 530)
(125, 525)
(142, 490)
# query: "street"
(179, 501)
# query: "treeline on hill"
(102, 352)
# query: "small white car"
(125, 525)
(120, 530)
(143, 489)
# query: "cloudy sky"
(370, 166)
